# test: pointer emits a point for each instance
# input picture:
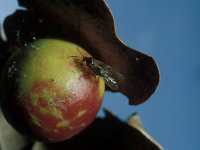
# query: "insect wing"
(110, 82)
(108, 74)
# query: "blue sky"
(169, 31)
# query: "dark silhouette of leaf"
(106, 133)
(103, 133)
(135, 122)
(3, 53)
(89, 24)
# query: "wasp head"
(88, 60)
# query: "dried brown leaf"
(88, 23)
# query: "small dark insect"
(109, 74)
